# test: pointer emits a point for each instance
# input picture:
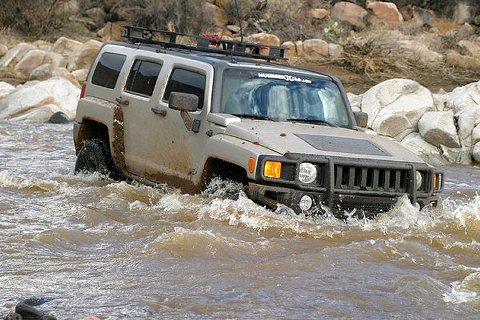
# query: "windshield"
(282, 97)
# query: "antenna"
(239, 20)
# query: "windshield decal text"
(286, 77)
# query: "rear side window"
(186, 81)
(143, 77)
(107, 69)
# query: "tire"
(94, 156)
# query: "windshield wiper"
(314, 121)
(253, 116)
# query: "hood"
(283, 138)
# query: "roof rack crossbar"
(169, 39)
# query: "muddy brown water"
(92, 246)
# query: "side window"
(107, 69)
(186, 81)
(143, 77)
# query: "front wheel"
(94, 156)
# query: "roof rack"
(205, 43)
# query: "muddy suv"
(158, 111)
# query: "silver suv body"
(173, 115)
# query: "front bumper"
(338, 204)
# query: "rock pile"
(441, 128)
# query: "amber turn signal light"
(251, 165)
(437, 181)
(272, 169)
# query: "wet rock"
(316, 48)
(29, 312)
(465, 97)
(386, 12)
(415, 143)
(457, 155)
(349, 13)
(59, 118)
(438, 128)
(395, 106)
(84, 55)
(65, 46)
(54, 95)
(5, 89)
(36, 58)
(15, 54)
(476, 152)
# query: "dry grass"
(377, 56)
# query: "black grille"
(342, 208)
(370, 179)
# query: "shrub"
(34, 18)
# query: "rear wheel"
(94, 156)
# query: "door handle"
(122, 101)
(160, 112)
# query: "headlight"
(307, 172)
(419, 179)
(272, 169)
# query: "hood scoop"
(343, 145)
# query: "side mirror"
(183, 101)
(361, 118)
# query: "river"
(92, 246)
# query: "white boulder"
(5, 89)
(464, 97)
(476, 152)
(438, 128)
(36, 58)
(467, 121)
(457, 155)
(316, 48)
(476, 134)
(65, 46)
(395, 106)
(15, 54)
(25, 99)
(415, 143)
(355, 101)
(84, 55)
